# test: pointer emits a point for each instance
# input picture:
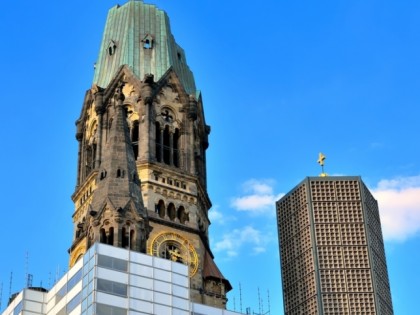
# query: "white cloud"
(399, 205)
(218, 217)
(215, 215)
(259, 186)
(232, 242)
(259, 197)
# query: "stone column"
(99, 111)
(192, 117)
(162, 130)
(79, 137)
(171, 148)
(144, 132)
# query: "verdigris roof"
(139, 35)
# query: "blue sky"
(281, 81)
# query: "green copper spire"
(139, 35)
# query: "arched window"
(167, 141)
(171, 211)
(111, 48)
(160, 209)
(182, 215)
(148, 42)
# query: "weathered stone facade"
(146, 134)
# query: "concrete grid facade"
(332, 251)
(115, 281)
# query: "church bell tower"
(142, 134)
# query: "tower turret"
(115, 213)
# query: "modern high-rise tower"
(332, 250)
(142, 136)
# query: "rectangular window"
(74, 303)
(61, 293)
(68, 286)
(18, 308)
(112, 263)
(111, 287)
(74, 280)
(109, 310)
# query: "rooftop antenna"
(29, 280)
(10, 284)
(57, 274)
(26, 269)
(261, 305)
(240, 296)
(321, 161)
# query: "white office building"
(113, 281)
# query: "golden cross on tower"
(321, 159)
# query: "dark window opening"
(147, 44)
(176, 147)
(135, 138)
(111, 48)
(158, 143)
(171, 211)
(90, 158)
(111, 236)
(166, 146)
(125, 238)
(182, 215)
(132, 240)
(160, 209)
(103, 236)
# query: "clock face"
(174, 247)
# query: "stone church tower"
(142, 136)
